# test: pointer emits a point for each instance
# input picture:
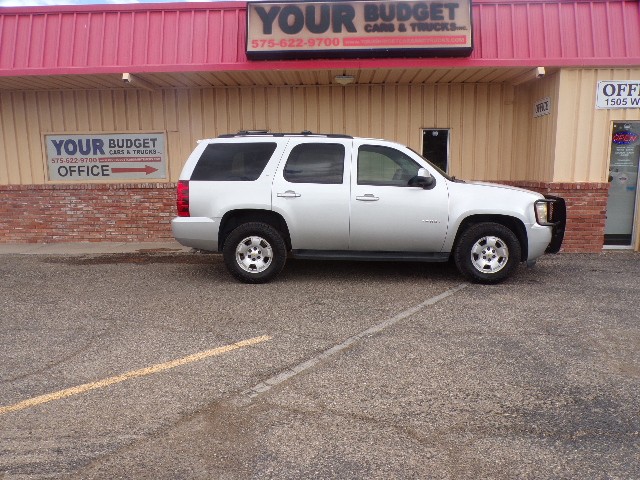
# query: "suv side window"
(233, 161)
(315, 163)
(384, 166)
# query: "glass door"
(623, 179)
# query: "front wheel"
(254, 253)
(487, 253)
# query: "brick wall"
(586, 212)
(86, 213)
(143, 212)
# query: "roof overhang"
(269, 78)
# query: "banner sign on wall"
(359, 29)
(118, 156)
(618, 94)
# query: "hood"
(504, 187)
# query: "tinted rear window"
(233, 161)
(315, 163)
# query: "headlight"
(542, 212)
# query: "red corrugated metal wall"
(587, 30)
(96, 38)
(191, 37)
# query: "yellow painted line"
(160, 367)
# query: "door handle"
(369, 197)
(288, 194)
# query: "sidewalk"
(88, 248)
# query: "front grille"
(558, 217)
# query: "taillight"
(183, 198)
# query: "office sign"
(618, 94)
(358, 29)
(118, 156)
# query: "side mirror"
(423, 179)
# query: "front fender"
(487, 201)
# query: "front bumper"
(546, 237)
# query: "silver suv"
(257, 197)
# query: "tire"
(487, 253)
(254, 253)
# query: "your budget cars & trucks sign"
(358, 29)
(94, 157)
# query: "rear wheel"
(254, 252)
(487, 253)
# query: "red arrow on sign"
(146, 170)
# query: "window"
(233, 161)
(385, 166)
(315, 163)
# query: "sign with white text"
(618, 94)
(118, 156)
(359, 29)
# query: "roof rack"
(262, 133)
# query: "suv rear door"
(388, 215)
(311, 191)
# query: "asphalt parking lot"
(159, 365)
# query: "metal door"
(311, 191)
(388, 215)
(435, 147)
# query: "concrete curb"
(88, 248)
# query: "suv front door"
(386, 214)
(311, 191)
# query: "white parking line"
(248, 395)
